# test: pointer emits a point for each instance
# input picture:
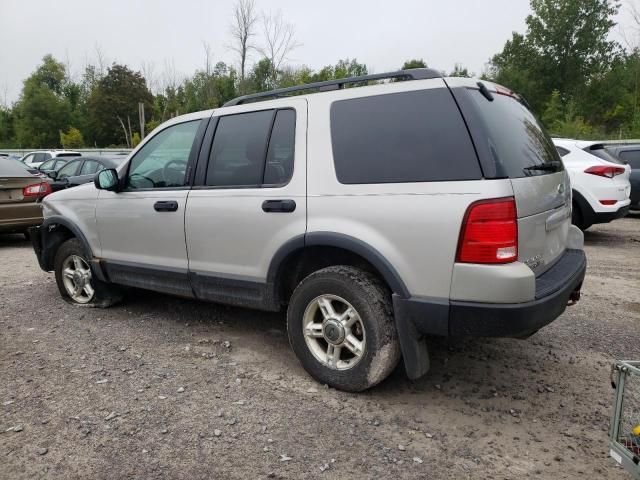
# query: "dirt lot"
(160, 387)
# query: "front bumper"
(417, 317)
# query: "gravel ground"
(160, 387)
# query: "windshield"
(519, 144)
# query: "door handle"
(165, 206)
(285, 206)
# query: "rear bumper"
(417, 317)
(554, 289)
(18, 217)
(592, 217)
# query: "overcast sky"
(381, 34)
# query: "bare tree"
(148, 72)
(101, 60)
(208, 57)
(243, 29)
(279, 41)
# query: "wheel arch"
(317, 250)
(57, 230)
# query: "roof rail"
(410, 74)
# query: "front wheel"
(75, 280)
(341, 328)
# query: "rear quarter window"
(416, 136)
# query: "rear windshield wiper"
(553, 166)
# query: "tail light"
(36, 190)
(605, 171)
(489, 232)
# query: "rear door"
(521, 150)
(248, 201)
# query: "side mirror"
(52, 174)
(106, 180)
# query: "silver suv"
(374, 215)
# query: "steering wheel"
(173, 172)
(134, 175)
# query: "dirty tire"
(105, 294)
(577, 218)
(372, 300)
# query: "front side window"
(29, 158)
(69, 170)
(162, 161)
(89, 167)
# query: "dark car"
(81, 170)
(53, 164)
(630, 153)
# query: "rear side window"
(253, 149)
(516, 140)
(280, 155)
(632, 157)
(401, 137)
(89, 167)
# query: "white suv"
(600, 182)
(35, 159)
(375, 216)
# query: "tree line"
(579, 81)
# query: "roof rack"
(410, 74)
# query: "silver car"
(374, 216)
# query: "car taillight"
(605, 171)
(36, 190)
(489, 232)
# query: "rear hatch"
(621, 182)
(513, 145)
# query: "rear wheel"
(341, 328)
(577, 218)
(75, 279)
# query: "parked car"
(11, 156)
(629, 152)
(32, 171)
(53, 164)
(375, 215)
(600, 182)
(35, 159)
(80, 170)
(20, 196)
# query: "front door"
(141, 227)
(249, 199)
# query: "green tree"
(460, 70)
(566, 45)
(113, 105)
(71, 139)
(42, 110)
(414, 63)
